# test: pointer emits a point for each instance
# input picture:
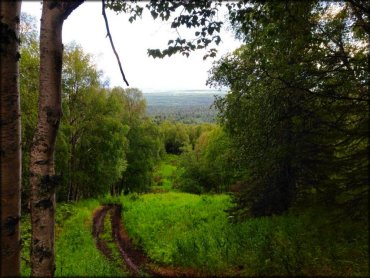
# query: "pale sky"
(86, 27)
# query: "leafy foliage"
(175, 137)
(145, 143)
(297, 108)
(92, 138)
(201, 15)
(105, 142)
(210, 165)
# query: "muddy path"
(135, 260)
(98, 228)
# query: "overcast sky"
(86, 27)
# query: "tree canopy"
(298, 105)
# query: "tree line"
(192, 114)
(107, 143)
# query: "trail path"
(136, 261)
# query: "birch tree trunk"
(10, 138)
(42, 174)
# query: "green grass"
(193, 231)
(76, 253)
(165, 173)
(106, 235)
(26, 242)
(169, 226)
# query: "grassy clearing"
(164, 174)
(76, 253)
(193, 231)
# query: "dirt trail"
(135, 259)
(98, 227)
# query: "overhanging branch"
(111, 42)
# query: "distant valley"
(181, 97)
(188, 106)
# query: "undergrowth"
(193, 231)
(164, 174)
(76, 253)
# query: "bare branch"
(69, 7)
(111, 42)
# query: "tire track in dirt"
(135, 259)
(98, 228)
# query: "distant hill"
(188, 106)
(181, 97)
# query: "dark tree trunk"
(42, 177)
(10, 138)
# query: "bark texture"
(43, 179)
(10, 139)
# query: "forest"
(269, 179)
(182, 106)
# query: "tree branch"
(111, 42)
(69, 7)
(358, 11)
(361, 5)
(332, 96)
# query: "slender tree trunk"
(42, 173)
(10, 139)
